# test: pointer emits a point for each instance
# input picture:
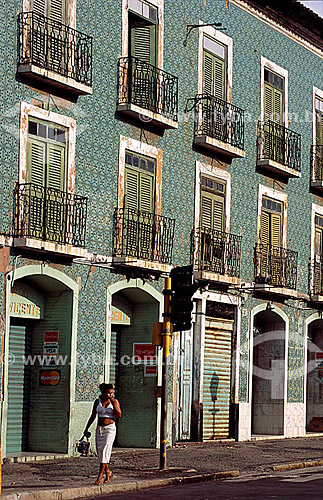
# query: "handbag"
(83, 446)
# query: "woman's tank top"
(105, 412)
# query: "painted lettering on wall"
(22, 309)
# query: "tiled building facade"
(150, 114)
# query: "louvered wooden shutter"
(218, 213)
(319, 128)
(268, 104)
(276, 229)
(143, 43)
(146, 193)
(36, 161)
(265, 228)
(212, 211)
(318, 241)
(40, 7)
(273, 105)
(278, 107)
(213, 75)
(56, 172)
(57, 11)
(131, 189)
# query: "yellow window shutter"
(276, 230)
(265, 228)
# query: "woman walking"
(106, 408)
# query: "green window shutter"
(56, 171)
(273, 104)
(143, 42)
(265, 228)
(131, 189)
(276, 230)
(268, 104)
(212, 211)
(146, 193)
(57, 11)
(214, 75)
(278, 107)
(40, 7)
(36, 162)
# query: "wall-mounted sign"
(50, 354)
(150, 371)
(145, 353)
(26, 303)
(51, 337)
(119, 317)
(50, 377)
(319, 360)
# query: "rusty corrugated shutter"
(217, 378)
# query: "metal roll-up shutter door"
(114, 360)
(217, 378)
(18, 389)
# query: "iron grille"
(317, 163)
(279, 144)
(218, 119)
(143, 235)
(316, 276)
(148, 87)
(55, 47)
(50, 215)
(275, 266)
(216, 251)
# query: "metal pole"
(166, 345)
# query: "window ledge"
(219, 146)
(144, 265)
(43, 75)
(223, 279)
(279, 168)
(281, 291)
(147, 116)
(318, 185)
(50, 247)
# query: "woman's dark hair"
(105, 387)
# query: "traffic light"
(183, 288)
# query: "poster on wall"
(145, 353)
(51, 337)
(49, 377)
(150, 371)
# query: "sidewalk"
(134, 469)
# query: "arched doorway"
(133, 312)
(314, 381)
(41, 325)
(268, 373)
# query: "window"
(318, 121)
(212, 204)
(271, 223)
(55, 10)
(214, 68)
(143, 31)
(46, 155)
(318, 241)
(273, 97)
(139, 183)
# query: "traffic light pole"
(166, 345)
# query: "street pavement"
(140, 467)
(304, 483)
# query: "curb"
(93, 491)
(297, 465)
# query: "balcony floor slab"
(278, 168)
(222, 279)
(146, 116)
(50, 247)
(218, 146)
(142, 265)
(281, 291)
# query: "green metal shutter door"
(217, 378)
(114, 360)
(18, 389)
(50, 405)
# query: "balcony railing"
(143, 235)
(216, 252)
(316, 276)
(55, 47)
(317, 163)
(147, 87)
(218, 119)
(50, 215)
(279, 144)
(275, 266)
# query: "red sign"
(50, 377)
(150, 371)
(145, 353)
(51, 337)
(319, 355)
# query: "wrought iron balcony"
(49, 215)
(275, 266)
(317, 166)
(316, 277)
(143, 235)
(219, 120)
(52, 46)
(277, 145)
(216, 252)
(147, 87)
